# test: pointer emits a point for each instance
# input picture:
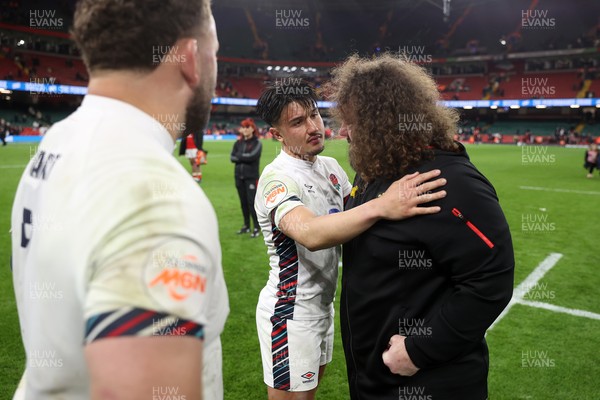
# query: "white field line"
(564, 310)
(529, 282)
(590, 192)
(12, 166)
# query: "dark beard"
(197, 115)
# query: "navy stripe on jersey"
(130, 321)
(284, 308)
(272, 213)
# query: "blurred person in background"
(245, 155)
(591, 159)
(195, 156)
(3, 130)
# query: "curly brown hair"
(130, 34)
(393, 110)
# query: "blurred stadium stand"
(483, 51)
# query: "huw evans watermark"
(415, 54)
(536, 87)
(291, 19)
(537, 19)
(45, 19)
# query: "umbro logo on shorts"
(309, 375)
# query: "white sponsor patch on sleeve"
(274, 193)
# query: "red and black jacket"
(441, 280)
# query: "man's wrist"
(412, 351)
(374, 211)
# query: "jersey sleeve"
(151, 275)
(162, 293)
(277, 195)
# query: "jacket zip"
(460, 215)
(355, 383)
(242, 164)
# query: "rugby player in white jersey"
(115, 251)
(299, 203)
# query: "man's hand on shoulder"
(403, 197)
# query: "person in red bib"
(196, 156)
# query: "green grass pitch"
(534, 353)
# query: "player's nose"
(311, 126)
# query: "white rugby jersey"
(301, 283)
(111, 237)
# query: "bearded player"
(108, 218)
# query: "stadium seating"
(49, 66)
(476, 84)
(483, 23)
(64, 74)
(7, 67)
(537, 128)
(546, 85)
(248, 87)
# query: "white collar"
(298, 161)
(146, 125)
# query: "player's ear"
(187, 49)
(276, 134)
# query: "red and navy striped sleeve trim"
(131, 321)
(272, 213)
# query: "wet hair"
(275, 98)
(249, 122)
(393, 109)
(127, 34)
